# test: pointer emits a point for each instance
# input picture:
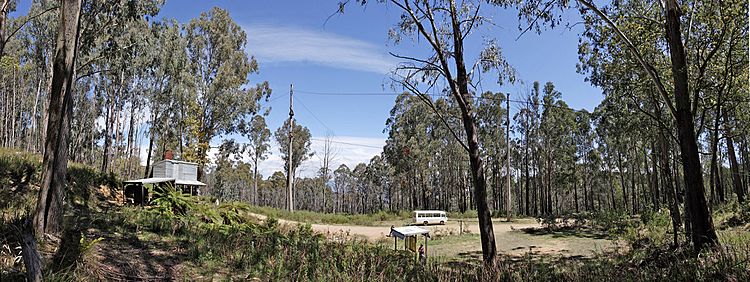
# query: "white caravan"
(430, 217)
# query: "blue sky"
(294, 44)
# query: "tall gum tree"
(444, 25)
(217, 58)
(300, 148)
(676, 96)
(49, 209)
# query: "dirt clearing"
(518, 238)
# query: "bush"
(171, 201)
(733, 215)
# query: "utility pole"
(507, 152)
(290, 170)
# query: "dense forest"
(88, 81)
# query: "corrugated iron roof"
(153, 180)
(407, 231)
(189, 182)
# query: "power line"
(431, 95)
(347, 143)
(276, 98)
(313, 114)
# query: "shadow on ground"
(567, 232)
(469, 260)
(126, 257)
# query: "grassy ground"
(520, 243)
(376, 219)
(186, 238)
(517, 243)
(380, 218)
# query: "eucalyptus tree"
(300, 150)
(25, 67)
(341, 185)
(584, 142)
(444, 26)
(6, 6)
(168, 92)
(491, 120)
(220, 66)
(557, 149)
(227, 174)
(39, 38)
(10, 27)
(527, 120)
(49, 208)
(258, 136)
(615, 24)
(377, 176)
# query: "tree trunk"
(107, 133)
(745, 160)
(14, 108)
(461, 93)
(633, 171)
(713, 171)
(4, 9)
(654, 177)
(255, 181)
(526, 168)
(150, 151)
(131, 135)
(575, 191)
(49, 209)
(34, 125)
(622, 182)
(702, 227)
(30, 253)
(733, 165)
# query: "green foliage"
(300, 146)
(733, 214)
(653, 230)
(171, 201)
(295, 253)
(466, 214)
(610, 221)
(85, 245)
(18, 173)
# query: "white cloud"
(271, 44)
(347, 150)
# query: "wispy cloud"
(274, 44)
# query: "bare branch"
(431, 64)
(538, 16)
(18, 28)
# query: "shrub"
(169, 200)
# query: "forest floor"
(519, 238)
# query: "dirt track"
(508, 242)
(374, 233)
